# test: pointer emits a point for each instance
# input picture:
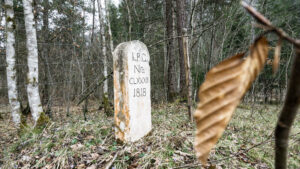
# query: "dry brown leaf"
(219, 95)
(92, 167)
(276, 56)
(77, 147)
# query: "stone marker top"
(132, 91)
(127, 47)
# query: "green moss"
(42, 122)
(23, 125)
(107, 108)
(9, 19)
(14, 25)
(180, 100)
(27, 80)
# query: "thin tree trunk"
(33, 73)
(192, 26)
(188, 74)
(211, 50)
(102, 31)
(46, 100)
(129, 19)
(170, 51)
(68, 83)
(93, 24)
(11, 61)
(111, 42)
(84, 71)
(180, 25)
(105, 85)
(166, 60)
(287, 115)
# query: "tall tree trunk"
(102, 31)
(105, 84)
(166, 64)
(193, 17)
(187, 74)
(93, 22)
(129, 19)
(288, 114)
(84, 69)
(46, 100)
(11, 61)
(181, 17)
(111, 42)
(33, 73)
(170, 51)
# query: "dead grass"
(70, 142)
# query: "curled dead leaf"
(219, 95)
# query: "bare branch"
(292, 101)
(267, 25)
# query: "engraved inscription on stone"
(132, 101)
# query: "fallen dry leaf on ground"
(76, 147)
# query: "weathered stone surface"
(132, 101)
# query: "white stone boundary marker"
(132, 101)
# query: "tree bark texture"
(181, 24)
(170, 51)
(46, 99)
(111, 42)
(129, 19)
(33, 71)
(288, 115)
(187, 74)
(11, 62)
(102, 31)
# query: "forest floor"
(71, 142)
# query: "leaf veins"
(219, 95)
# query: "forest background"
(71, 39)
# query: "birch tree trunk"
(104, 53)
(11, 61)
(129, 19)
(102, 31)
(33, 73)
(111, 42)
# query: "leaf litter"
(73, 143)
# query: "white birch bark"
(102, 31)
(11, 61)
(129, 19)
(31, 43)
(111, 42)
